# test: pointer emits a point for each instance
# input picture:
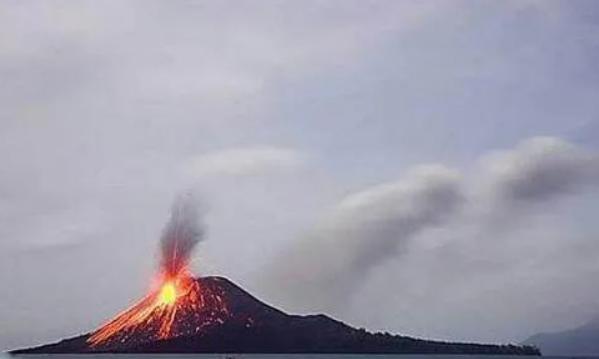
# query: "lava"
(168, 293)
(179, 306)
(156, 310)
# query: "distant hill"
(216, 316)
(583, 340)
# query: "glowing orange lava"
(180, 305)
(168, 293)
(154, 314)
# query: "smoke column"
(181, 234)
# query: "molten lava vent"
(179, 305)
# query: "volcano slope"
(214, 315)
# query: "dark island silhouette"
(217, 316)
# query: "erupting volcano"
(181, 306)
(178, 305)
(182, 314)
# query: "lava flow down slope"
(177, 305)
(183, 314)
(181, 306)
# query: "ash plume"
(182, 232)
(482, 217)
(324, 268)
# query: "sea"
(284, 356)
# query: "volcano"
(213, 315)
(183, 314)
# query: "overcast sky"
(426, 168)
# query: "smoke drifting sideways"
(322, 270)
(473, 211)
(181, 234)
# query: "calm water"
(288, 356)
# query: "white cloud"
(244, 161)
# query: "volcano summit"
(213, 315)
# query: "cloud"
(539, 169)
(433, 220)
(363, 230)
(244, 161)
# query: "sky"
(423, 168)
